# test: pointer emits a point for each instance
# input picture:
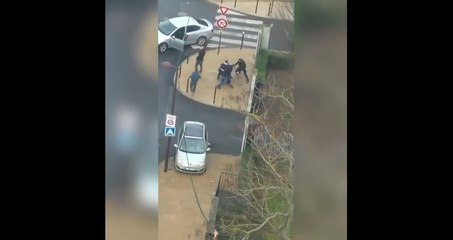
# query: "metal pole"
(187, 86)
(173, 103)
(179, 69)
(272, 6)
(256, 8)
(220, 40)
(188, 59)
(242, 40)
(269, 11)
(215, 92)
(235, 3)
(172, 113)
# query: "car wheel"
(163, 47)
(201, 41)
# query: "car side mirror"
(208, 149)
(185, 36)
(173, 37)
(175, 145)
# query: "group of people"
(226, 69)
(224, 72)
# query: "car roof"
(182, 21)
(194, 129)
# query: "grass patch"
(261, 65)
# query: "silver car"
(173, 32)
(192, 148)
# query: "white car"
(173, 32)
(192, 148)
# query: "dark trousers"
(199, 63)
(239, 70)
(193, 86)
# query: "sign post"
(170, 131)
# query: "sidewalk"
(236, 98)
(282, 9)
(179, 214)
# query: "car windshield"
(192, 145)
(166, 27)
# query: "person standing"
(222, 75)
(194, 77)
(242, 68)
(199, 59)
(228, 75)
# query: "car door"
(193, 32)
(177, 39)
(207, 144)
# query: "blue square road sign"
(170, 131)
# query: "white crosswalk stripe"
(234, 41)
(237, 34)
(230, 12)
(241, 20)
(238, 24)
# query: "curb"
(250, 14)
(249, 108)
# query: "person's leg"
(223, 81)
(201, 66)
(191, 87)
(245, 74)
(229, 81)
(196, 65)
(194, 87)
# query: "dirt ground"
(179, 215)
(126, 223)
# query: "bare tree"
(266, 182)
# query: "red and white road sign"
(170, 121)
(223, 9)
(222, 23)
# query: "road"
(205, 9)
(225, 127)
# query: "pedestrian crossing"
(238, 25)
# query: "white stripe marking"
(237, 34)
(234, 41)
(230, 12)
(241, 20)
(242, 28)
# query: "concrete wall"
(265, 37)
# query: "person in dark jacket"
(223, 67)
(241, 68)
(228, 75)
(199, 59)
(224, 72)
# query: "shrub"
(280, 61)
(261, 65)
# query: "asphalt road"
(205, 9)
(225, 127)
